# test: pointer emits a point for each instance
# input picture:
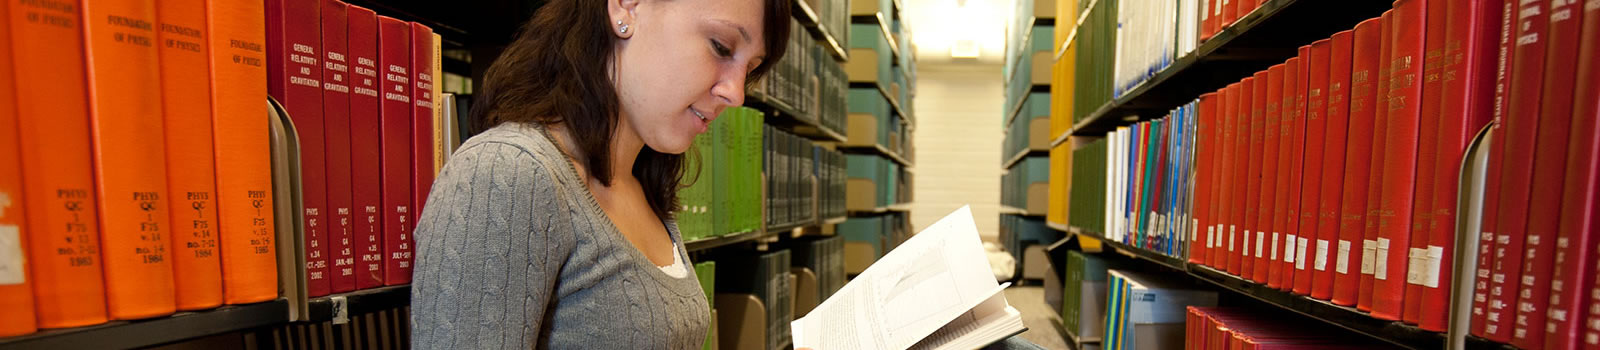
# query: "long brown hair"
(555, 72)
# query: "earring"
(623, 29)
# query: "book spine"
(237, 33)
(1434, 64)
(1549, 170)
(294, 75)
(1245, 135)
(366, 147)
(1332, 260)
(1294, 240)
(394, 60)
(422, 126)
(1315, 263)
(336, 124)
(1491, 188)
(1272, 83)
(1280, 99)
(1358, 160)
(1258, 125)
(191, 172)
(130, 172)
(1380, 128)
(1468, 93)
(1205, 186)
(1574, 274)
(1400, 158)
(57, 165)
(1227, 101)
(1293, 129)
(436, 96)
(1516, 171)
(16, 288)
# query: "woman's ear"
(623, 13)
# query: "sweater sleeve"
(489, 251)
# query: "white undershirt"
(677, 269)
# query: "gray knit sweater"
(513, 252)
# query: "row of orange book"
(135, 170)
(1337, 171)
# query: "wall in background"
(958, 140)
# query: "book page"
(924, 284)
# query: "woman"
(553, 228)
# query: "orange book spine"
(191, 175)
(16, 294)
(130, 171)
(56, 164)
(237, 34)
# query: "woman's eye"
(721, 50)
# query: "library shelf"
(1268, 35)
(157, 331)
(876, 149)
(808, 18)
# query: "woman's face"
(681, 62)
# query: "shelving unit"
(1264, 37)
(164, 330)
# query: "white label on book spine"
(1341, 264)
(1322, 255)
(1196, 227)
(1288, 250)
(1369, 249)
(1430, 276)
(11, 256)
(1210, 237)
(1274, 246)
(1380, 261)
(1259, 240)
(1231, 230)
(1246, 246)
(1300, 253)
(1416, 262)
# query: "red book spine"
(1230, 12)
(1206, 164)
(1357, 159)
(1469, 94)
(1207, 20)
(1239, 123)
(366, 147)
(1281, 98)
(1243, 8)
(1491, 187)
(1575, 244)
(191, 171)
(1380, 127)
(422, 115)
(1297, 117)
(1400, 158)
(1273, 78)
(394, 59)
(1218, 256)
(1549, 170)
(16, 289)
(1315, 251)
(1243, 212)
(1428, 122)
(1516, 171)
(336, 118)
(1217, 9)
(1331, 260)
(130, 176)
(1252, 196)
(294, 77)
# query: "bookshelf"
(152, 332)
(1264, 37)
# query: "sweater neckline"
(593, 207)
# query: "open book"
(935, 291)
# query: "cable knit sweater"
(513, 252)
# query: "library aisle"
(1140, 175)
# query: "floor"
(1037, 315)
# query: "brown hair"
(556, 72)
